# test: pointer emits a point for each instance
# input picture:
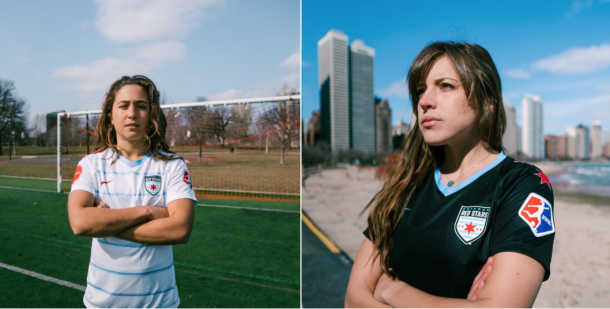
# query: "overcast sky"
(559, 50)
(65, 54)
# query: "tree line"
(261, 126)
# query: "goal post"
(234, 149)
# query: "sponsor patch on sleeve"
(537, 212)
(187, 179)
(79, 170)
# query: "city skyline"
(568, 69)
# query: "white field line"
(249, 208)
(206, 189)
(20, 177)
(43, 277)
(201, 205)
(26, 189)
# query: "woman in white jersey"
(135, 199)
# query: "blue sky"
(559, 50)
(66, 54)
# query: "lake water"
(584, 174)
(591, 178)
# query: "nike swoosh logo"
(407, 208)
(105, 182)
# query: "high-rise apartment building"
(562, 146)
(583, 143)
(334, 89)
(383, 126)
(509, 139)
(571, 142)
(550, 147)
(362, 100)
(533, 140)
(596, 140)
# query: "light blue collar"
(134, 163)
(448, 191)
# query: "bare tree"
(13, 111)
(284, 119)
(239, 128)
(39, 129)
(198, 122)
(220, 117)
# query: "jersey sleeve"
(179, 185)
(84, 177)
(524, 220)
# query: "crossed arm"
(514, 282)
(143, 224)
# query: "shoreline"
(555, 170)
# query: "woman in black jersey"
(455, 203)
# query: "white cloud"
(137, 21)
(397, 89)
(604, 88)
(579, 5)
(22, 59)
(293, 61)
(265, 89)
(577, 60)
(99, 74)
(572, 112)
(518, 74)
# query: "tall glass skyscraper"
(334, 91)
(346, 93)
(533, 138)
(362, 100)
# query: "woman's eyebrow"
(439, 80)
(138, 101)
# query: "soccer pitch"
(240, 254)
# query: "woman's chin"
(132, 138)
(435, 141)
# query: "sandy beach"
(580, 268)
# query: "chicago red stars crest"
(471, 223)
(152, 184)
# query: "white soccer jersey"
(123, 273)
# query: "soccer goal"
(234, 149)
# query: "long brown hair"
(417, 160)
(155, 133)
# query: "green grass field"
(235, 257)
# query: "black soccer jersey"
(446, 234)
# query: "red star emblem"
(153, 187)
(469, 227)
(543, 179)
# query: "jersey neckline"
(448, 191)
(134, 163)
